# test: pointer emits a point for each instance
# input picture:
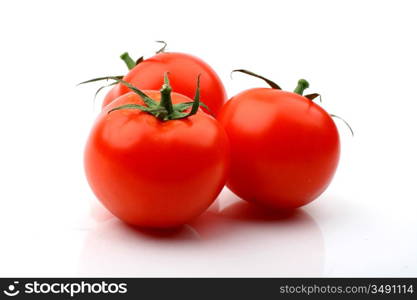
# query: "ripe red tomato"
(284, 147)
(156, 169)
(182, 69)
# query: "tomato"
(156, 168)
(182, 69)
(111, 95)
(284, 147)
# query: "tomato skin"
(111, 95)
(151, 173)
(183, 72)
(284, 148)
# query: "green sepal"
(268, 81)
(196, 103)
(148, 100)
(185, 105)
(139, 60)
(344, 121)
(165, 110)
(163, 47)
(176, 115)
(119, 77)
(131, 106)
(313, 96)
(103, 87)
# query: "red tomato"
(182, 69)
(284, 147)
(155, 173)
(111, 95)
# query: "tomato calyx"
(130, 64)
(118, 77)
(165, 110)
(268, 81)
(302, 85)
(164, 46)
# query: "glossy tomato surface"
(284, 147)
(183, 71)
(152, 173)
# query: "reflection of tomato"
(284, 147)
(155, 173)
(183, 70)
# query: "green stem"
(166, 101)
(301, 86)
(130, 63)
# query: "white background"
(360, 55)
